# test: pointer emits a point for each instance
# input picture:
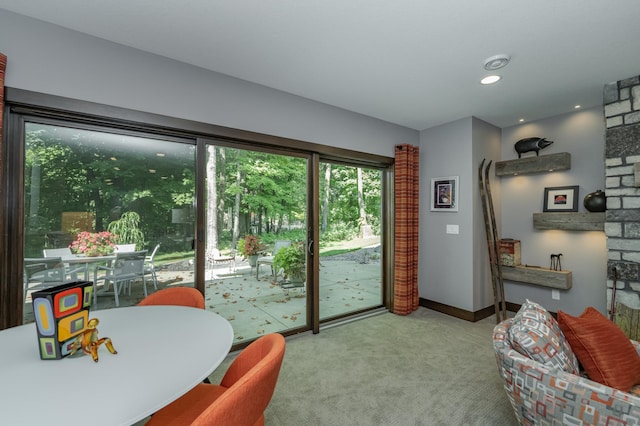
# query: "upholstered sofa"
(546, 394)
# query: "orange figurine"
(89, 341)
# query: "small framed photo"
(444, 194)
(561, 199)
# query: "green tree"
(127, 230)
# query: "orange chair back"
(250, 381)
(181, 296)
(242, 396)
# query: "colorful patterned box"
(509, 251)
(61, 314)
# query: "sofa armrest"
(540, 393)
(547, 395)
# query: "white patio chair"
(41, 273)
(214, 257)
(149, 267)
(268, 260)
(65, 253)
(126, 268)
(124, 248)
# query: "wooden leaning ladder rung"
(491, 230)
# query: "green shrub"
(127, 230)
(292, 259)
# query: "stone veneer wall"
(622, 226)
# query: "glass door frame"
(311, 218)
(20, 105)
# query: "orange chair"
(242, 396)
(181, 296)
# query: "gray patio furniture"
(41, 273)
(65, 253)
(214, 257)
(124, 248)
(149, 267)
(126, 268)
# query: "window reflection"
(83, 180)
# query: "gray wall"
(53, 60)
(445, 271)
(486, 145)
(453, 268)
(584, 253)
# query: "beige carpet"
(423, 369)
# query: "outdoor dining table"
(76, 259)
(162, 353)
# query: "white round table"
(163, 352)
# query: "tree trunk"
(212, 201)
(236, 210)
(222, 184)
(325, 200)
(34, 204)
(363, 215)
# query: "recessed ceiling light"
(578, 106)
(496, 62)
(490, 79)
(521, 120)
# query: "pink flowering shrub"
(94, 243)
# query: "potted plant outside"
(292, 259)
(252, 248)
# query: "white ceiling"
(411, 62)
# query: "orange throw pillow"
(605, 352)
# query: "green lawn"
(332, 248)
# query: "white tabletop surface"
(78, 258)
(163, 352)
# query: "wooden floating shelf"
(529, 165)
(562, 280)
(569, 221)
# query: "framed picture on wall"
(561, 199)
(444, 194)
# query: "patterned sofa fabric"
(542, 395)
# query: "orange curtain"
(405, 277)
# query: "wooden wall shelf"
(562, 280)
(529, 165)
(569, 221)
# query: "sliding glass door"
(277, 235)
(256, 240)
(350, 240)
(88, 188)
